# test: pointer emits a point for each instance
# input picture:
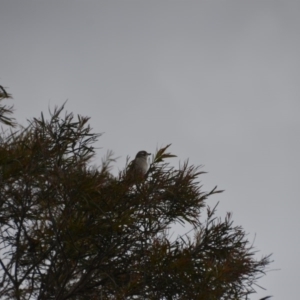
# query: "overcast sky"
(217, 79)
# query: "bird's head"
(142, 154)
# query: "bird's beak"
(148, 153)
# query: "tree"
(70, 230)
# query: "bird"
(140, 163)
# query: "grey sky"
(217, 79)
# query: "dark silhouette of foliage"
(73, 231)
(5, 111)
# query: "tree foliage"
(73, 231)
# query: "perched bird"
(140, 163)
